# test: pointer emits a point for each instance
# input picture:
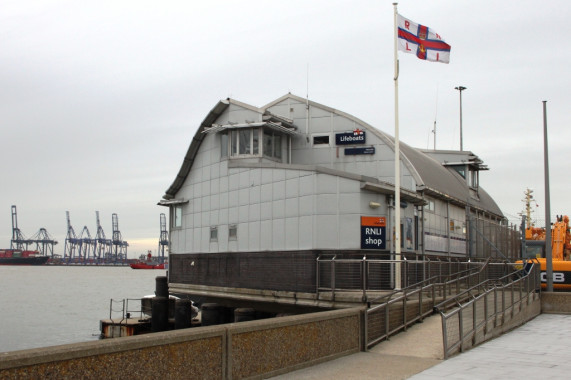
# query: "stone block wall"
(253, 349)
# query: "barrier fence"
(369, 276)
(469, 317)
(426, 284)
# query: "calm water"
(50, 305)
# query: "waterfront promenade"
(537, 350)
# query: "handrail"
(529, 280)
(468, 291)
(375, 300)
(363, 285)
(405, 322)
(412, 296)
(125, 310)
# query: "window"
(214, 234)
(232, 232)
(244, 142)
(473, 179)
(321, 140)
(461, 170)
(255, 142)
(177, 217)
(430, 206)
(252, 142)
(272, 145)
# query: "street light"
(460, 89)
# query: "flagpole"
(397, 161)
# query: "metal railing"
(426, 283)
(394, 312)
(126, 308)
(468, 317)
(371, 275)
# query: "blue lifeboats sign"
(357, 136)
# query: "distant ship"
(20, 257)
(149, 263)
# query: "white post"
(397, 162)
(548, 251)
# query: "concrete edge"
(106, 346)
(556, 302)
(307, 364)
(293, 320)
(72, 351)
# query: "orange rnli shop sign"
(373, 232)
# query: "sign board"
(355, 151)
(350, 138)
(373, 232)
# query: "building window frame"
(253, 142)
(473, 179)
(233, 232)
(176, 222)
(272, 144)
(244, 142)
(213, 234)
(321, 140)
(430, 206)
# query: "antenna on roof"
(307, 105)
(435, 116)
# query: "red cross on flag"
(418, 39)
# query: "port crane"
(44, 243)
(163, 238)
(103, 246)
(18, 240)
(86, 244)
(72, 243)
(119, 245)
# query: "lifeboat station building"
(265, 195)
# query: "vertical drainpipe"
(468, 224)
(421, 237)
(421, 232)
(448, 226)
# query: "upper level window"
(473, 179)
(272, 144)
(431, 206)
(461, 170)
(177, 216)
(321, 140)
(246, 142)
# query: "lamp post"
(460, 89)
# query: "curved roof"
(440, 181)
(214, 113)
(431, 177)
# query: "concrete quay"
(535, 350)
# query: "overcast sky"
(99, 100)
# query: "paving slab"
(537, 350)
(405, 354)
